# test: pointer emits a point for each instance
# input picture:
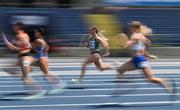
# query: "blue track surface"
(95, 92)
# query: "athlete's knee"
(84, 65)
(25, 63)
(103, 67)
(120, 70)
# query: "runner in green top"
(93, 44)
(95, 57)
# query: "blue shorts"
(40, 55)
(140, 62)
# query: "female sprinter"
(41, 48)
(23, 47)
(95, 57)
(138, 61)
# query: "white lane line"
(96, 72)
(158, 64)
(79, 64)
(98, 79)
(98, 89)
(102, 96)
(100, 76)
(89, 84)
(95, 104)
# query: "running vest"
(94, 44)
(41, 49)
(139, 45)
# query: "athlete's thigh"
(27, 59)
(128, 66)
(90, 59)
(148, 72)
(43, 64)
(98, 62)
(43, 61)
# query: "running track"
(97, 91)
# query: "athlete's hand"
(3, 34)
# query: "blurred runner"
(137, 43)
(42, 48)
(22, 45)
(95, 57)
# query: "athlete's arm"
(99, 38)
(147, 41)
(85, 44)
(35, 44)
(47, 48)
(134, 39)
(8, 44)
(129, 43)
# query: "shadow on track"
(125, 106)
(12, 96)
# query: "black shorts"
(96, 52)
(24, 54)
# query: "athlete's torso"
(22, 41)
(139, 46)
(93, 44)
(40, 48)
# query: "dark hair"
(21, 25)
(41, 30)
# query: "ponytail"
(145, 30)
(104, 41)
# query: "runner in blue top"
(41, 48)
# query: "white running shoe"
(76, 81)
(59, 88)
(35, 96)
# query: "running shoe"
(173, 90)
(59, 88)
(76, 81)
(35, 96)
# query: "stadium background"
(67, 22)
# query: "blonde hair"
(145, 30)
(104, 41)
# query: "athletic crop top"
(40, 49)
(93, 44)
(138, 46)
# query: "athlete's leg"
(128, 66)
(43, 63)
(26, 62)
(13, 71)
(89, 60)
(149, 75)
(102, 66)
(57, 85)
